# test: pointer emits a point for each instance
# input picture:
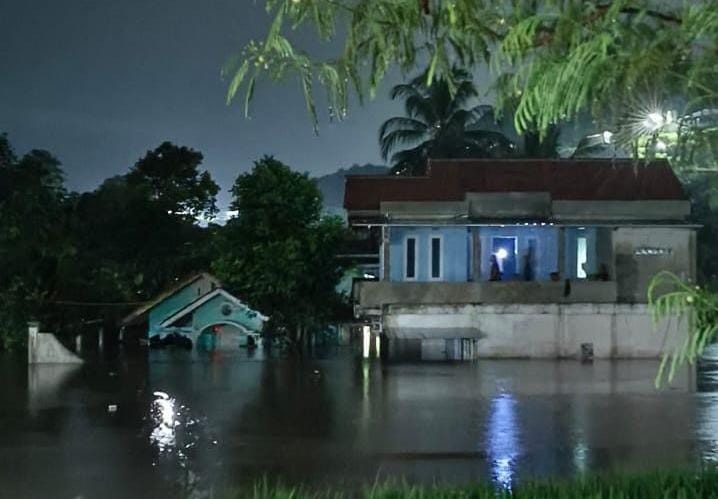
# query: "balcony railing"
(375, 294)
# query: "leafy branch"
(672, 298)
(561, 58)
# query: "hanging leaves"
(553, 59)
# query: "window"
(435, 271)
(410, 258)
(581, 259)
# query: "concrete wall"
(44, 348)
(376, 294)
(536, 331)
(539, 206)
(510, 205)
(634, 271)
(455, 252)
(621, 210)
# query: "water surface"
(164, 423)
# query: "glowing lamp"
(654, 121)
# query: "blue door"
(504, 248)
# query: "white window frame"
(405, 260)
(440, 237)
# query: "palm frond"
(421, 108)
(393, 139)
(405, 90)
(411, 161)
(400, 123)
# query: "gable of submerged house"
(195, 305)
(564, 237)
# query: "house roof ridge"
(170, 291)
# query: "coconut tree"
(440, 123)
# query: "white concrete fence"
(44, 348)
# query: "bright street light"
(654, 121)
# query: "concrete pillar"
(561, 263)
(385, 236)
(33, 328)
(476, 256)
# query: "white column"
(33, 328)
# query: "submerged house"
(194, 307)
(521, 258)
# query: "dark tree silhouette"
(440, 123)
(172, 174)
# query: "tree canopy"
(172, 175)
(32, 236)
(279, 253)
(103, 251)
(440, 124)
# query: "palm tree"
(440, 124)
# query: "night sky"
(99, 82)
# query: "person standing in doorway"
(495, 271)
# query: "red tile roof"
(564, 179)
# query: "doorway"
(504, 248)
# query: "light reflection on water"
(176, 434)
(163, 414)
(503, 439)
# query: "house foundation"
(464, 332)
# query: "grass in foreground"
(664, 485)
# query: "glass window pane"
(435, 258)
(411, 258)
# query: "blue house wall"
(457, 251)
(454, 252)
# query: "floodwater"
(176, 423)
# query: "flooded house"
(200, 310)
(521, 258)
